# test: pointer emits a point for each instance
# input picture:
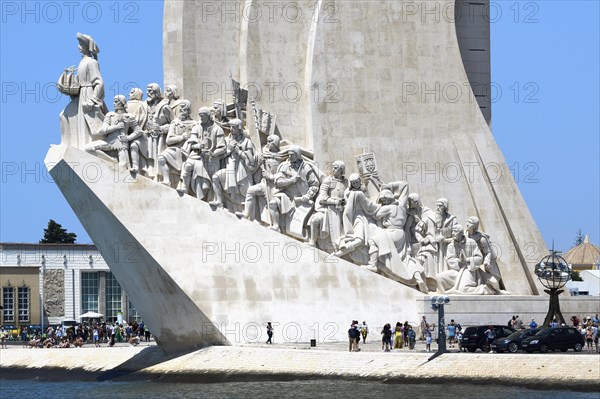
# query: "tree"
(575, 276)
(55, 234)
(579, 237)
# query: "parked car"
(512, 343)
(474, 337)
(554, 338)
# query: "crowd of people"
(404, 335)
(588, 327)
(85, 333)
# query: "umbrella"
(91, 315)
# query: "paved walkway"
(290, 361)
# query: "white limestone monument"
(284, 175)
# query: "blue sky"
(545, 62)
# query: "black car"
(474, 337)
(554, 338)
(512, 343)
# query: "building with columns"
(65, 280)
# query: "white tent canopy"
(91, 315)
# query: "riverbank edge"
(239, 364)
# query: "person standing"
(518, 323)
(364, 331)
(96, 336)
(533, 324)
(353, 337)
(3, 338)
(412, 335)
(451, 333)
(589, 337)
(428, 340)
(269, 333)
(398, 339)
(424, 327)
(490, 336)
(386, 337)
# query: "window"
(90, 282)
(8, 302)
(23, 304)
(113, 297)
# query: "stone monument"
(280, 234)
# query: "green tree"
(55, 234)
(579, 237)
(575, 276)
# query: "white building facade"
(73, 279)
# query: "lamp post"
(437, 303)
(553, 272)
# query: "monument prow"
(200, 282)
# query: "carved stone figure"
(297, 184)
(219, 115)
(388, 246)
(358, 215)
(426, 254)
(326, 225)
(83, 116)
(180, 131)
(418, 213)
(239, 164)
(463, 259)
(172, 96)
(206, 147)
(494, 279)
(137, 107)
(262, 192)
(120, 131)
(444, 222)
(160, 117)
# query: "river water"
(289, 389)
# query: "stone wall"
(54, 293)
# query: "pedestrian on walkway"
(269, 333)
(518, 323)
(424, 327)
(451, 333)
(386, 337)
(364, 331)
(412, 336)
(398, 336)
(491, 336)
(533, 324)
(353, 338)
(428, 340)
